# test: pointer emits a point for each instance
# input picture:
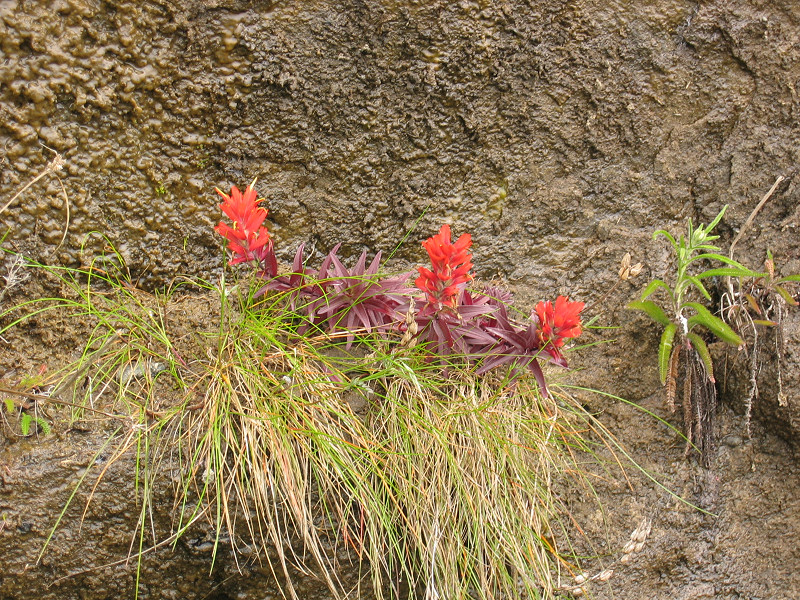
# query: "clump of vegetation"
(452, 321)
(342, 411)
(682, 344)
(27, 423)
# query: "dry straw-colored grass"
(436, 482)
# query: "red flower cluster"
(556, 323)
(451, 265)
(453, 320)
(248, 239)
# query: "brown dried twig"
(53, 166)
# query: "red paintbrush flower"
(451, 265)
(248, 239)
(556, 323)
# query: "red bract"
(451, 265)
(248, 239)
(556, 323)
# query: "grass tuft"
(311, 455)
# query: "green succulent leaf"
(702, 350)
(665, 350)
(653, 310)
(714, 324)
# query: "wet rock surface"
(88, 556)
(553, 133)
(559, 135)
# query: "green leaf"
(665, 350)
(667, 235)
(590, 322)
(43, 425)
(752, 303)
(789, 278)
(786, 296)
(654, 311)
(653, 286)
(702, 350)
(699, 285)
(9, 405)
(717, 219)
(729, 272)
(719, 257)
(765, 323)
(25, 424)
(714, 324)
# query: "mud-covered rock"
(559, 135)
(91, 553)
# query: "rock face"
(559, 135)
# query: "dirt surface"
(559, 134)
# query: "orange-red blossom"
(450, 263)
(247, 239)
(556, 323)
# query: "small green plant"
(24, 409)
(25, 420)
(161, 190)
(681, 316)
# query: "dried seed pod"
(411, 312)
(628, 548)
(578, 591)
(409, 340)
(638, 547)
(625, 267)
(626, 558)
(579, 579)
(605, 575)
(642, 531)
(627, 271)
